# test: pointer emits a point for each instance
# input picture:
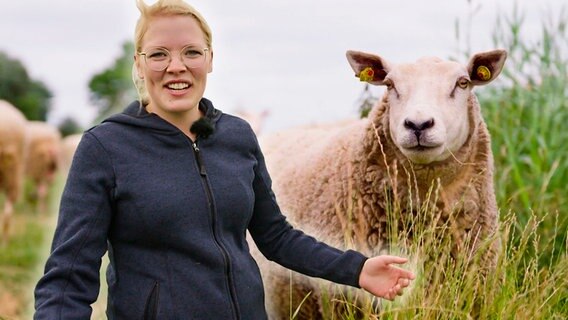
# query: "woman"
(169, 187)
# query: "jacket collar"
(136, 115)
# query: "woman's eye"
(157, 55)
(193, 53)
(389, 84)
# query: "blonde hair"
(160, 9)
(166, 8)
(140, 87)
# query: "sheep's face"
(428, 114)
(428, 100)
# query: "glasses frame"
(145, 54)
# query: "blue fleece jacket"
(173, 215)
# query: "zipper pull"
(199, 159)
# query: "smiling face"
(175, 92)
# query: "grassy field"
(21, 261)
(527, 113)
(17, 263)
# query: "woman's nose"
(176, 64)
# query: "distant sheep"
(336, 181)
(255, 119)
(43, 158)
(12, 160)
(68, 146)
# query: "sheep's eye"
(463, 83)
(389, 84)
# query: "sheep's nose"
(418, 126)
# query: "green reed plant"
(527, 115)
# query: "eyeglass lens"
(158, 59)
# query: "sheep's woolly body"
(44, 149)
(12, 148)
(333, 182)
(12, 158)
(254, 118)
(308, 167)
(43, 158)
(68, 146)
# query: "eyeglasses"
(158, 59)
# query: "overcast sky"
(285, 56)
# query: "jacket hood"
(136, 115)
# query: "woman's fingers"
(403, 282)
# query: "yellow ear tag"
(483, 73)
(367, 74)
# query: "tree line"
(110, 89)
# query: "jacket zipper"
(213, 214)
(151, 308)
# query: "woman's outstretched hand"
(382, 279)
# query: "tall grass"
(452, 287)
(517, 289)
(527, 117)
(21, 260)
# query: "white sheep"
(12, 160)
(427, 133)
(43, 158)
(255, 119)
(68, 146)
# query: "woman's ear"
(139, 83)
(210, 67)
(139, 71)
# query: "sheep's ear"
(484, 67)
(368, 67)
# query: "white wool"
(44, 157)
(12, 158)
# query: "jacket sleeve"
(280, 242)
(70, 283)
